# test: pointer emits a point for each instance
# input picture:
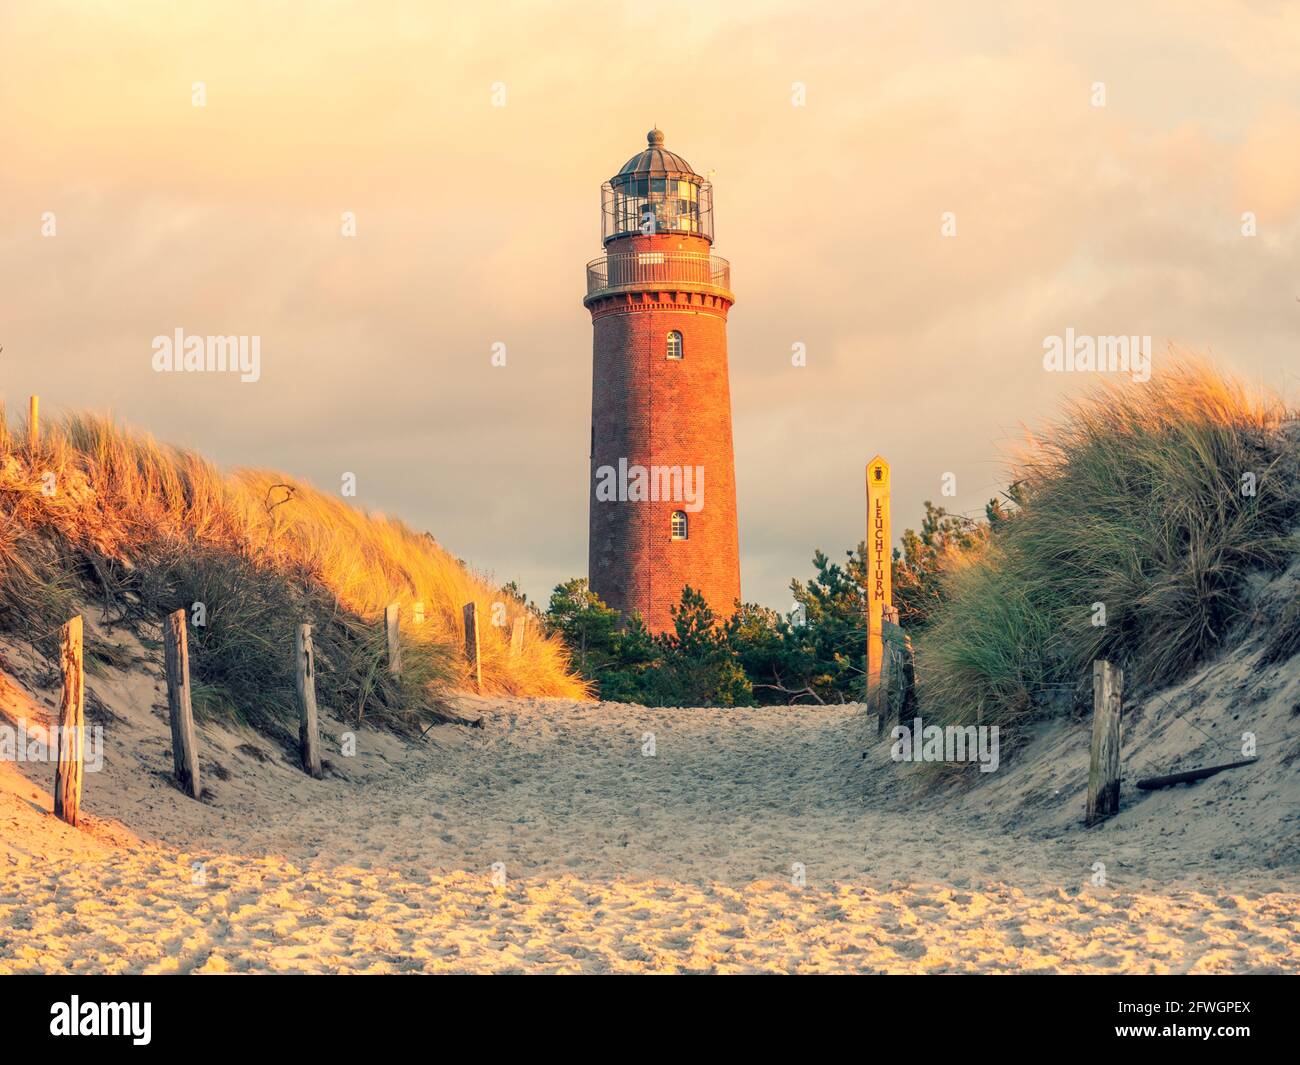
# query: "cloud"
(475, 223)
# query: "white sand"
(613, 861)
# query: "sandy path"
(687, 860)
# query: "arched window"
(679, 525)
(674, 345)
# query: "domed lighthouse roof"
(657, 161)
(656, 192)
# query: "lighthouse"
(663, 487)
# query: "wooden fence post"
(888, 682)
(471, 645)
(907, 704)
(880, 689)
(1103, 770)
(176, 657)
(33, 423)
(392, 615)
(517, 637)
(308, 725)
(72, 726)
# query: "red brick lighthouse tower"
(663, 484)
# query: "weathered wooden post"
(880, 694)
(308, 725)
(890, 691)
(1103, 770)
(392, 614)
(72, 725)
(471, 645)
(908, 703)
(176, 658)
(33, 423)
(517, 637)
(879, 568)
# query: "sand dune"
(547, 841)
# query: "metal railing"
(657, 267)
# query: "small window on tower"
(675, 347)
(679, 525)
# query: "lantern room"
(656, 192)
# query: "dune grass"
(97, 513)
(1136, 501)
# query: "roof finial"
(655, 138)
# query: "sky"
(917, 193)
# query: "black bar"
(340, 1014)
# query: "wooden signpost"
(517, 637)
(72, 726)
(176, 657)
(1103, 769)
(308, 725)
(34, 423)
(879, 570)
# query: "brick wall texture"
(653, 411)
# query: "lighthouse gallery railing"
(657, 267)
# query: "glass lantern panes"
(642, 205)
